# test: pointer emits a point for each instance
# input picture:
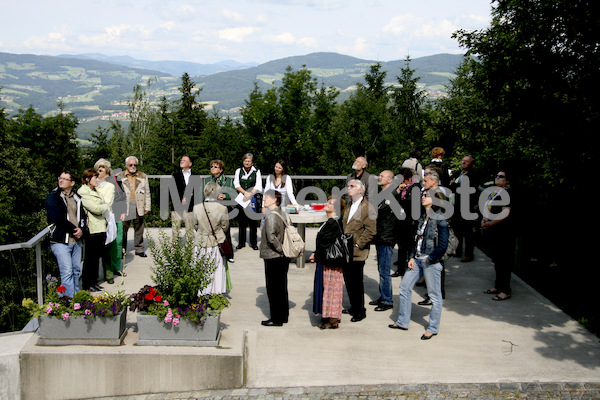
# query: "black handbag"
(341, 251)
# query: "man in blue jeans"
(384, 241)
(65, 212)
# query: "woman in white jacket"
(281, 182)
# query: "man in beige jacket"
(137, 190)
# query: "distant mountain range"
(95, 87)
(175, 68)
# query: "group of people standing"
(98, 215)
(101, 211)
(421, 233)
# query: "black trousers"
(276, 270)
(244, 222)
(94, 250)
(465, 232)
(353, 278)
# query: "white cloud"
(169, 25)
(237, 34)
(283, 38)
(234, 16)
(308, 42)
(360, 45)
(399, 24)
(52, 41)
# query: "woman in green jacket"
(97, 211)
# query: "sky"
(242, 30)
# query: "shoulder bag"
(225, 247)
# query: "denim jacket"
(435, 238)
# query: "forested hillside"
(90, 88)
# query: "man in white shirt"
(182, 180)
(360, 219)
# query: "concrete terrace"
(525, 340)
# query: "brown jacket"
(363, 227)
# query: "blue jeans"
(433, 280)
(384, 264)
(68, 257)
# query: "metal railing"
(34, 242)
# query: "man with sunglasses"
(137, 191)
(65, 211)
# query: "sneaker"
(230, 261)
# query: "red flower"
(149, 296)
(158, 298)
(152, 291)
(61, 289)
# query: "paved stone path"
(529, 391)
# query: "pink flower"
(168, 318)
(165, 303)
(76, 306)
(65, 316)
(175, 321)
(49, 310)
(87, 312)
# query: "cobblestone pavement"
(537, 391)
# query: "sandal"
(328, 326)
(491, 291)
(500, 298)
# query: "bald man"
(359, 172)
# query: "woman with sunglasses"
(97, 211)
(497, 228)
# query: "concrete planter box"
(102, 331)
(154, 332)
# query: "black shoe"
(240, 246)
(396, 274)
(374, 303)
(271, 323)
(345, 311)
(93, 290)
(110, 281)
(358, 318)
(254, 247)
(425, 337)
(426, 302)
(98, 288)
(394, 326)
(142, 254)
(383, 307)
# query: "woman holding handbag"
(330, 273)
(211, 220)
